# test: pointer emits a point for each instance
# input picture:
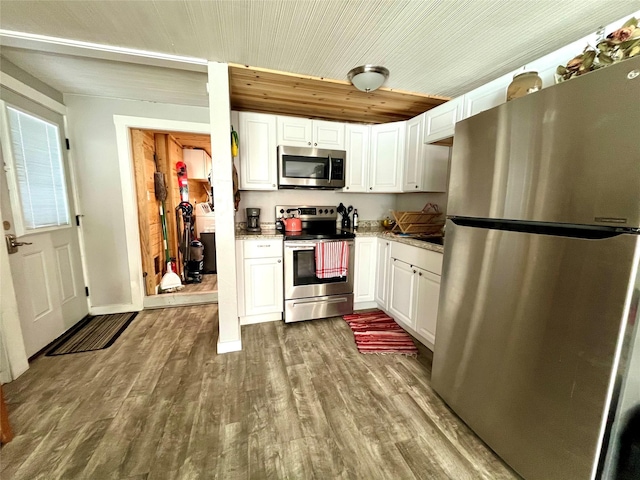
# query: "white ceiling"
(438, 47)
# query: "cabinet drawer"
(425, 259)
(262, 248)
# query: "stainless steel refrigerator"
(536, 344)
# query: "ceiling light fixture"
(368, 78)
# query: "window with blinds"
(38, 171)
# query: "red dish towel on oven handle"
(332, 259)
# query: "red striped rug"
(377, 332)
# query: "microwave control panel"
(337, 169)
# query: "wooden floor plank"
(298, 401)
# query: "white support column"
(222, 179)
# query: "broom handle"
(165, 234)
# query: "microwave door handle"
(330, 168)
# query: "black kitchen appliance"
(253, 220)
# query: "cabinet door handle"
(370, 188)
(273, 184)
(315, 144)
(414, 271)
(347, 188)
(417, 186)
(280, 261)
(420, 273)
(309, 143)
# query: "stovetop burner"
(318, 223)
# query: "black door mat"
(92, 333)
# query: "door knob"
(13, 243)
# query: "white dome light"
(368, 78)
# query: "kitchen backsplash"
(370, 206)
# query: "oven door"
(300, 280)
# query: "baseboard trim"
(364, 305)
(166, 300)
(265, 317)
(228, 347)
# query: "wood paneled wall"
(151, 246)
(168, 152)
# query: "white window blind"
(39, 172)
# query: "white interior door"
(47, 273)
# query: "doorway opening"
(189, 226)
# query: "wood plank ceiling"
(261, 90)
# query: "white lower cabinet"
(263, 285)
(413, 290)
(382, 262)
(426, 312)
(260, 280)
(365, 266)
(402, 292)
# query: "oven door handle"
(293, 246)
(330, 168)
(315, 300)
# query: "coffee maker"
(253, 220)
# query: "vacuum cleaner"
(191, 250)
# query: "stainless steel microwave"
(311, 168)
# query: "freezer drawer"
(527, 337)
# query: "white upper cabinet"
(387, 157)
(440, 122)
(329, 135)
(413, 167)
(435, 168)
(303, 132)
(426, 166)
(487, 96)
(258, 152)
(198, 163)
(294, 131)
(357, 147)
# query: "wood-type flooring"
(299, 402)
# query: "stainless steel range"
(307, 297)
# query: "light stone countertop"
(382, 233)
(271, 234)
(365, 231)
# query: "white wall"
(371, 206)
(416, 201)
(93, 143)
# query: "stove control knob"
(326, 211)
(331, 210)
(282, 210)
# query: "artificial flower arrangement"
(617, 46)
